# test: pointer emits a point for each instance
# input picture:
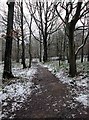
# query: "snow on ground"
(80, 83)
(1, 71)
(17, 89)
(83, 99)
(24, 73)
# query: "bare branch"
(79, 48)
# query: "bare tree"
(73, 15)
(44, 16)
(23, 44)
(88, 30)
(7, 73)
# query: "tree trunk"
(30, 55)
(88, 52)
(8, 50)
(64, 47)
(72, 58)
(45, 50)
(82, 54)
(17, 60)
(23, 44)
(40, 51)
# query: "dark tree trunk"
(82, 54)
(45, 50)
(30, 56)
(8, 50)
(70, 29)
(40, 51)
(23, 44)
(88, 52)
(61, 50)
(72, 58)
(45, 36)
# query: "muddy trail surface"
(52, 100)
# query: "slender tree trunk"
(30, 55)
(82, 54)
(45, 35)
(72, 58)
(8, 50)
(23, 44)
(61, 50)
(17, 60)
(88, 52)
(64, 47)
(40, 51)
(45, 50)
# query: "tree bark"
(45, 35)
(45, 56)
(17, 60)
(40, 50)
(82, 48)
(30, 56)
(88, 52)
(70, 29)
(23, 44)
(8, 50)
(72, 58)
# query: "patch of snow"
(82, 82)
(84, 99)
(0, 96)
(54, 104)
(1, 72)
(63, 77)
(24, 73)
(56, 110)
(30, 72)
(5, 104)
(64, 105)
(73, 115)
(18, 89)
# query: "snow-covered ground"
(17, 89)
(1, 71)
(80, 83)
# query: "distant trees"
(45, 18)
(9, 36)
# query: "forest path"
(51, 100)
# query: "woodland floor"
(52, 100)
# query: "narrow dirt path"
(51, 100)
